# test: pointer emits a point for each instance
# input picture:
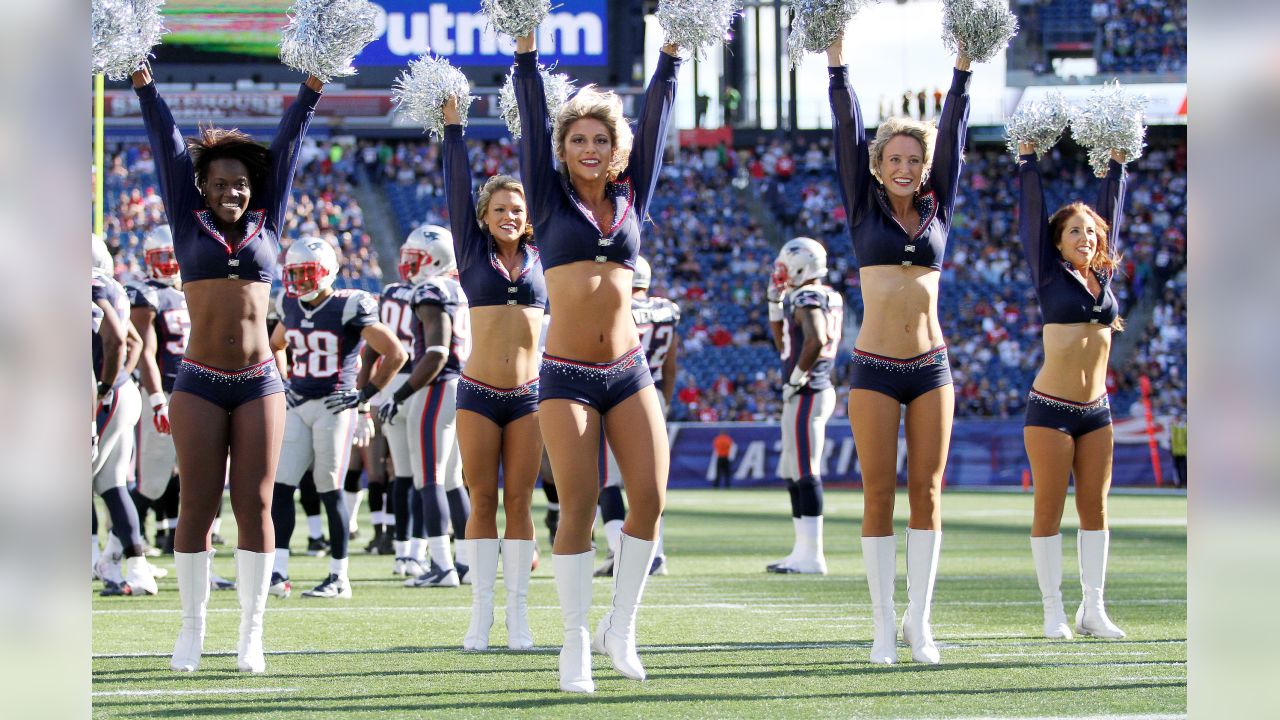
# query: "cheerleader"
(1068, 427)
(587, 215)
(899, 192)
(498, 392)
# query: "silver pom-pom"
(124, 31)
(323, 37)
(697, 24)
(1111, 119)
(1040, 123)
(516, 18)
(557, 87)
(979, 28)
(422, 89)
(815, 24)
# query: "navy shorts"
(601, 386)
(501, 405)
(1072, 418)
(228, 389)
(904, 380)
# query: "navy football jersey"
(106, 288)
(445, 293)
(172, 323)
(656, 319)
(397, 314)
(832, 306)
(326, 340)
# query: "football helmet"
(158, 255)
(643, 275)
(800, 260)
(101, 255)
(310, 267)
(426, 253)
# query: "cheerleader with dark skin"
(225, 196)
(1068, 433)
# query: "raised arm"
(1111, 197)
(853, 161)
(1033, 219)
(651, 128)
(948, 153)
(173, 162)
(537, 157)
(284, 149)
(467, 239)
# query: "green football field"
(718, 636)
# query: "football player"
(325, 329)
(116, 349)
(812, 318)
(442, 342)
(656, 319)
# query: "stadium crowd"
(1141, 35)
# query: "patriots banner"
(983, 453)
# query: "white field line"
(209, 691)
(1089, 652)
(752, 607)
(1080, 717)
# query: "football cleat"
(813, 566)
(332, 587)
(386, 545)
(217, 582)
(464, 573)
(138, 579)
(157, 571)
(435, 577)
(111, 588)
(317, 547)
(606, 568)
(216, 539)
(280, 585)
(659, 566)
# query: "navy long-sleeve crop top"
(564, 229)
(484, 278)
(1063, 296)
(201, 249)
(878, 238)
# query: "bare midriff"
(228, 322)
(901, 316)
(504, 345)
(590, 307)
(1075, 361)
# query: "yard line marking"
(1089, 652)
(1154, 716)
(758, 607)
(209, 691)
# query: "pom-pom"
(1040, 123)
(815, 24)
(516, 18)
(323, 37)
(557, 88)
(422, 89)
(979, 28)
(697, 24)
(1111, 119)
(124, 31)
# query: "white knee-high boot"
(573, 585)
(880, 556)
(922, 570)
(1091, 619)
(484, 574)
(517, 564)
(193, 589)
(253, 578)
(616, 634)
(1047, 553)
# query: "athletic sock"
(338, 522)
(282, 561)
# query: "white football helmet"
(310, 267)
(158, 255)
(643, 275)
(800, 260)
(101, 255)
(426, 253)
